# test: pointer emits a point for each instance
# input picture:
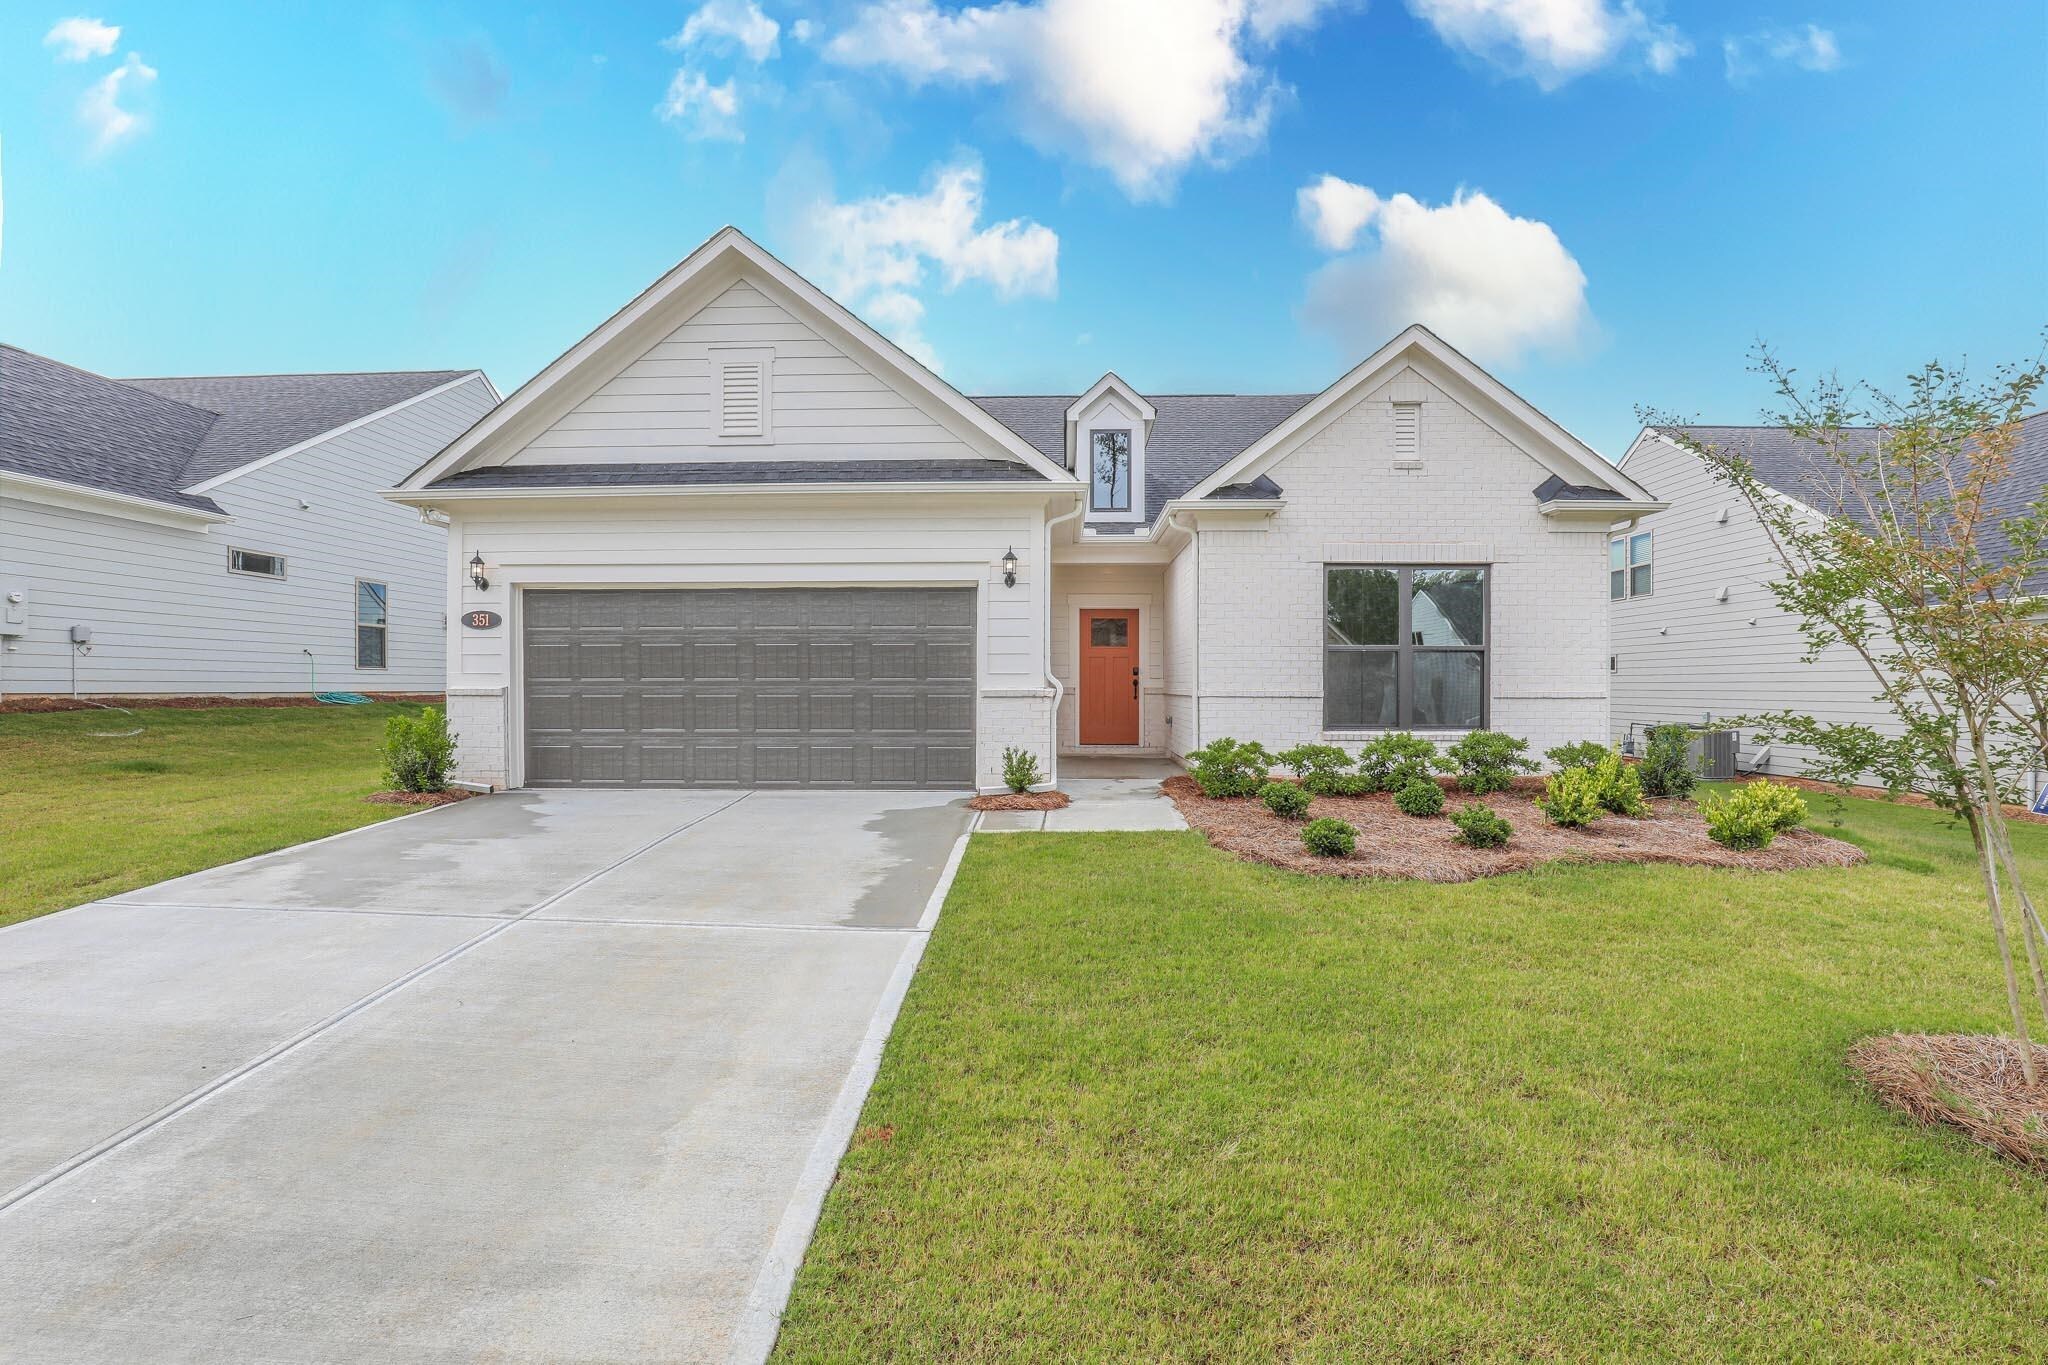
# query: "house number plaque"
(482, 620)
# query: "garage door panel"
(729, 687)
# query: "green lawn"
(83, 816)
(1149, 1103)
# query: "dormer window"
(1110, 471)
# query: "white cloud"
(1553, 41)
(875, 254)
(1808, 47)
(100, 108)
(728, 23)
(704, 111)
(1489, 283)
(77, 39)
(803, 30)
(1335, 211)
(1141, 88)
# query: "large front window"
(1404, 648)
(1110, 490)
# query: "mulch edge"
(440, 798)
(1020, 801)
(39, 706)
(1905, 1072)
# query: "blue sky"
(1606, 202)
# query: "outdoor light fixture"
(476, 573)
(1010, 567)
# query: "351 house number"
(482, 620)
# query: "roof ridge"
(281, 374)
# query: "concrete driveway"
(548, 1076)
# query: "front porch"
(1110, 649)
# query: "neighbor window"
(256, 562)
(1404, 648)
(373, 624)
(1112, 471)
(1628, 567)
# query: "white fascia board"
(1602, 510)
(79, 497)
(1111, 382)
(207, 486)
(435, 497)
(712, 267)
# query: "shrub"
(1487, 760)
(1327, 838)
(1582, 753)
(1667, 762)
(1316, 766)
(1394, 760)
(1020, 770)
(1421, 798)
(1751, 816)
(419, 751)
(1480, 826)
(1785, 806)
(1618, 787)
(1571, 798)
(1285, 800)
(1347, 784)
(1229, 768)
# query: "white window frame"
(1109, 413)
(1629, 565)
(356, 624)
(761, 357)
(234, 550)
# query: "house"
(1698, 635)
(221, 534)
(736, 537)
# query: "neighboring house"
(736, 537)
(221, 535)
(1698, 635)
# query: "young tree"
(1908, 544)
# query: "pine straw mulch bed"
(440, 798)
(30, 706)
(1965, 1081)
(1020, 801)
(1391, 844)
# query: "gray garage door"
(750, 687)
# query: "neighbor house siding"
(1139, 586)
(168, 618)
(823, 404)
(770, 540)
(1471, 501)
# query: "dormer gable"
(1107, 430)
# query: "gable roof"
(728, 255)
(165, 440)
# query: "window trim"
(1404, 650)
(283, 566)
(356, 625)
(1629, 564)
(1130, 506)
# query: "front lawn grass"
(82, 816)
(1146, 1102)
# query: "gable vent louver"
(741, 398)
(1407, 435)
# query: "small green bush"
(1752, 816)
(1346, 784)
(1327, 838)
(1020, 770)
(1582, 753)
(1618, 787)
(1285, 800)
(1421, 798)
(418, 751)
(1394, 760)
(1480, 826)
(1316, 766)
(1487, 761)
(1667, 762)
(1571, 798)
(1230, 768)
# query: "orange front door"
(1109, 677)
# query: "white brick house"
(736, 537)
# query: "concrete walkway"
(1107, 793)
(537, 1077)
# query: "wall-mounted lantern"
(476, 573)
(1010, 567)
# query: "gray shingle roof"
(1193, 435)
(1797, 469)
(1555, 489)
(685, 473)
(153, 438)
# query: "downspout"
(1193, 741)
(1059, 691)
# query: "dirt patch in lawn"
(443, 798)
(1968, 1081)
(1019, 801)
(1391, 844)
(28, 706)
